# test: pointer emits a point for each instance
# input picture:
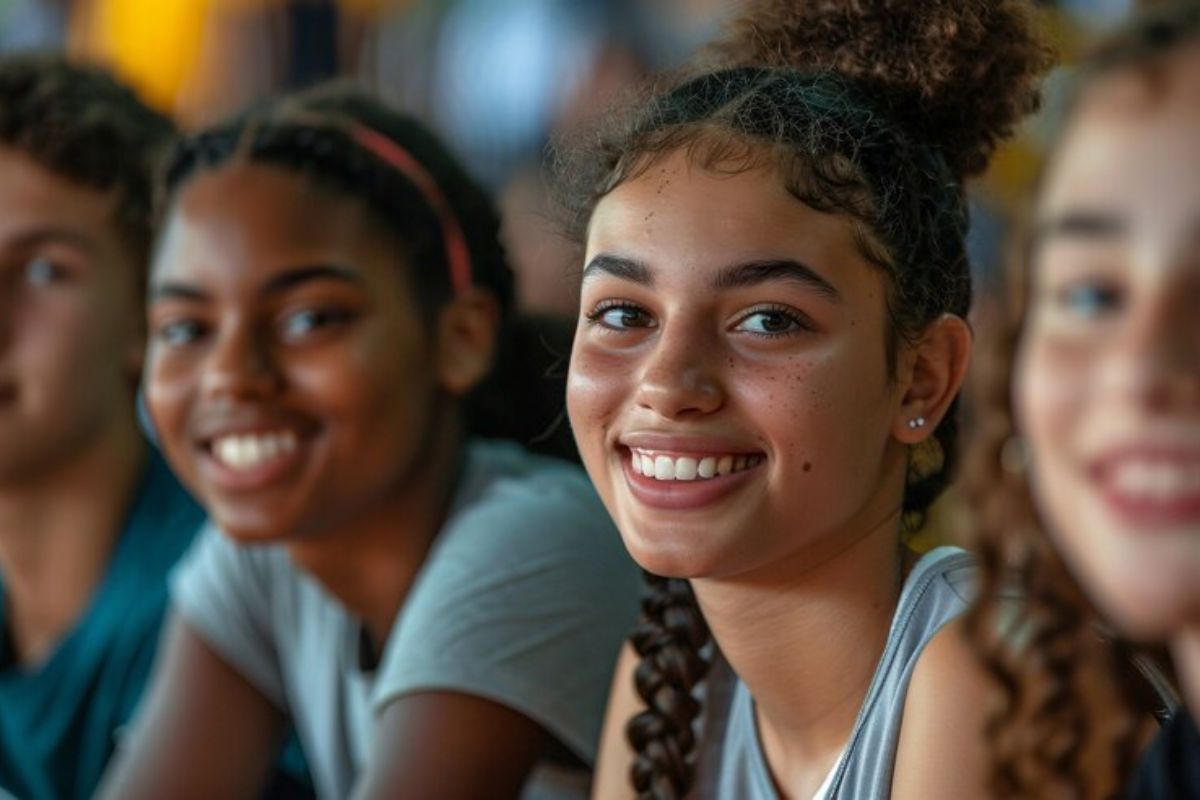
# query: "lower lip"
(684, 495)
(262, 476)
(1148, 515)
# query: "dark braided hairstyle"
(1077, 697)
(875, 109)
(78, 122)
(315, 133)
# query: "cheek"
(597, 384)
(1052, 388)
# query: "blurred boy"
(91, 520)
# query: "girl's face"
(1108, 373)
(729, 382)
(289, 374)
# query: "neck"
(57, 532)
(370, 561)
(805, 639)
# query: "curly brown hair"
(875, 109)
(1076, 697)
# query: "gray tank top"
(732, 764)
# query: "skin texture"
(70, 351)
(1108, 373)
(682, 348)
(276, 305)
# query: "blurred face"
(288, 374)
(1108, 375)
(729, 386)
(70, 319)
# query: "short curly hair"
(78, 122)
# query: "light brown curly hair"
(1076, 697)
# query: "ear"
(930, 377)
(466, 343)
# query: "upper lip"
(684, 443)
(209, 430)
(1161, 452)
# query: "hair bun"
(957, 73)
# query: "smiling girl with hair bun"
(763, 385)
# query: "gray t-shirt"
(524, 599)
(732, 762)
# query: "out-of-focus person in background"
(1086, 473)
(438, 613)
(91, 519)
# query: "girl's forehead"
(681, 215)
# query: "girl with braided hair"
(436, 614)
(1086, 472)
(763, 385)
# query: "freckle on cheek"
(808, 466)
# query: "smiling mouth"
(665, 467)
(245, 452)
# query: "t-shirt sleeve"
(222, 591)
(525, 600)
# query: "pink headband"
(458, 256)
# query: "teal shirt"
(57, 721)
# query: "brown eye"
(621, 317)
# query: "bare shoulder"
(942, 750)
(611, 780)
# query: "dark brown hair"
(1075, 697)
(312, 133)
(875, 109)
(76, 121)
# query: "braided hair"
(875, 109)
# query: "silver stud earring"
(916, 422)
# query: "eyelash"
(801, 321)
(596, 315)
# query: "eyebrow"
(737, 276)
(51, 234)
(753, 273)
(283, 282)
(624, 268)
(1081, 225)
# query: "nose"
(240, 364)
(680, 375)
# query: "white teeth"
(685, 469)
(664, 468)
(688, 468)
(1157, 481)
(246, 451)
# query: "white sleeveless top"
(732, 763)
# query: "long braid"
(669, 637)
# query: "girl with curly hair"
(1087, 472)
(763, 386)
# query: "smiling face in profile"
(729, 386)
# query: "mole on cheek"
(807, 466)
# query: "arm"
(203, 730)
(451, 746)
(943, 750)
(611, 780)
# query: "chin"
(672, 558)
